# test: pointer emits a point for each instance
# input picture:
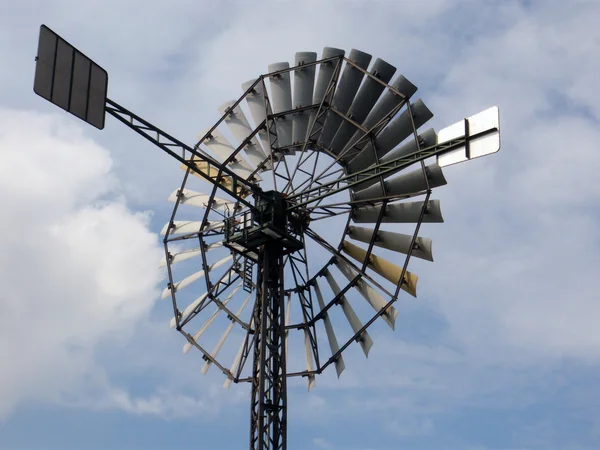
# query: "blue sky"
(501, 351)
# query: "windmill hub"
(268, 222)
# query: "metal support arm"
(168, 144)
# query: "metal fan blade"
(190, 308)
(187, 311)
(364, 339)
(194, 277)
(382, 109)
(193, 198)
(222, 148)
(323, 80)
(404, 185)
(212, 172)
(240, 128)
(281, 101)
(191, 226)
(217, 348)
(426, 139)
(401, 127)
(256, 101)
(344, 94)
(398, 242)
(237, 359)
(383, 267)
(365, 99)
(304, 83)
(189, 253)
(309, 360)
(333, 343)
(406, 212)
(369, 294)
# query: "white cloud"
(320, 442)
(77, 268)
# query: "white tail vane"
(333, 343)
(217, 348)
(240, 128)
(189, 253)
(482, 131)
(193, 198)
(364, 339)
(369, 294)
(191, 227)
(384, 268)
(194, 277)
(397, 242)
(202, 330)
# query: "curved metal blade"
(369, 294)
(237, 359)
(365, 99)
(398, 242)
(191, 226)
(405, 185)
(304, 83)
(217, 348)
(426, 139)
(344, 94)
(323, 80)
(186, 312)
(193, 198)
(222, 148)
(256, 101)
(240, 128)
(364, 339)
(333, 343)
(194, 277)
(405, 212)
(382, 109)
(383, 267)
(281, 93)
(189, 253)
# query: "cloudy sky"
(500, 351)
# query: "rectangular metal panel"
(69, 79)
(44, 70)
(97, 96)
(81, 84)
(63, 65)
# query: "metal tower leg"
(269, 404)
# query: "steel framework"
(271, 231)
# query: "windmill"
(287, 203)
